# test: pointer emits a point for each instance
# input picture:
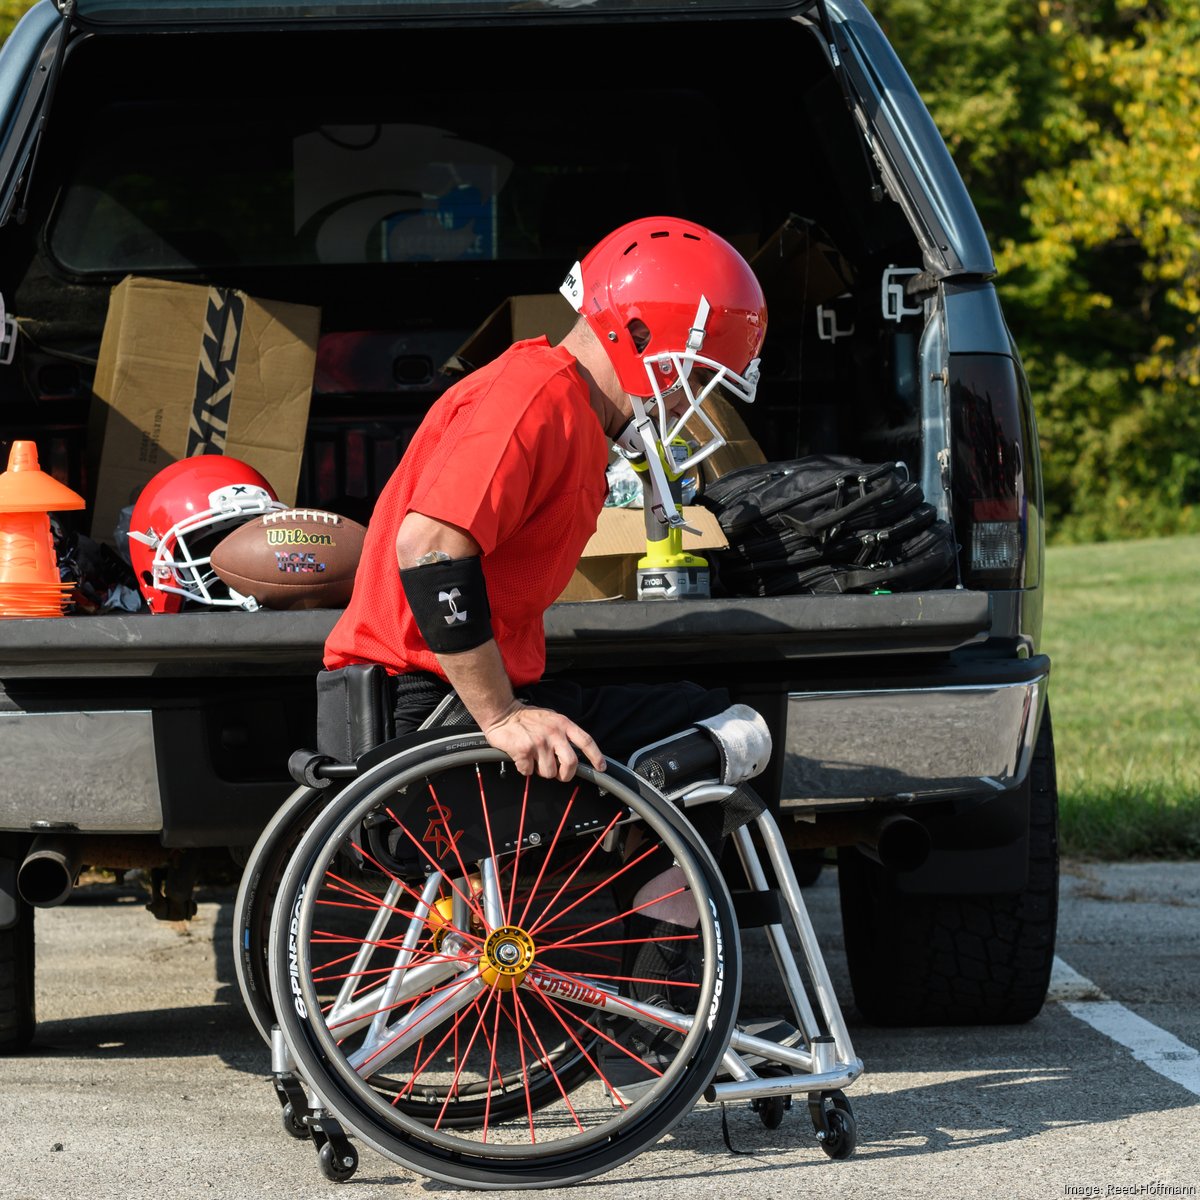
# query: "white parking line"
(1156, 1048)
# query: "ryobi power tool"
(668, 572)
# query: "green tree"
(11, 12)
(1076, 130)
(1114, 241)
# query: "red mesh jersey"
(515, 455)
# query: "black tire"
(294, 1125)
(770, 1111)
(17, 1014)
(476, 798)
(957, 959)
(256, 896)
(842, 1137)
(807, 864)
(335, 1169)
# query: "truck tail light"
(996, 546)
(994, 493)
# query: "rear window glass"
(201, 182)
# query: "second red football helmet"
(180, 515)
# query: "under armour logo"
(450, 597)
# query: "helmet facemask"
(181, 563)
(695, 377)
(680, 367)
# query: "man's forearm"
(538, 740)
(479, 678)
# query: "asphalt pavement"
(147, 1078)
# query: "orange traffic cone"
(29, 582)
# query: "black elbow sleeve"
(449, 603)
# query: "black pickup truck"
(159, 140)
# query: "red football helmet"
(180, 515)
(666, 296)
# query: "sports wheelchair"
(436, 950)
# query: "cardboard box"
(608, 567)
(187, 370)
(740, 449)
(799, 267)
(518, 318)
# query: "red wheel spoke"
(370, 902)
(597, 842)
(583, 1049)
(516, 1021)
(583, 981)
(609, 920)
(467, 900)
(459, 1063)
(377, 901)
(547, 1060)
(549, 855)
(370, 974)
(419, 1067)
(633, 862)
(492, 1072)
(444, 817)
(487, 825)
(451, 990)
(589, 953)
(557, 1004)
(516, 858)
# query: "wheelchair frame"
(445, 926)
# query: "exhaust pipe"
(47, 875)
(900, 844)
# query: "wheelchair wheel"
(256, 897)
(448, 961)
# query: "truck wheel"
(16, 982)
(807, 864)
(961, 959)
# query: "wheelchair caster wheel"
(337, 1166)
(833, 1121)
(293, 1123)
(770, 1111)
(294, 1104)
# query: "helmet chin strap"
(639, 440)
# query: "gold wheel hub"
(507, 955)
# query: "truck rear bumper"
(911, 742)
(80, 770)
(182, 725)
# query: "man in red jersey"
(482, 524)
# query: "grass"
(1122, 628)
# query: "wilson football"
(292, 558)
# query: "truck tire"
(957, 959)
(808, 865)
(16, 982)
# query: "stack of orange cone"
(29, 582)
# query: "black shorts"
(621, 717)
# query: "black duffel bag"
(828, 523)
